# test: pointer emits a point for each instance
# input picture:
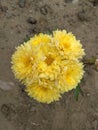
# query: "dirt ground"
(20, 19)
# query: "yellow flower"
(43, 94)
(41, 38)
(67, 45)
(49, 65)
(23, 61)
(70, 76)
(27, 56)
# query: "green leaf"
(78, 91)
(27, 38)
(49, 32)
(90, 61)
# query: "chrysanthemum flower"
(70, 76)
(68, 46)
(41, 38)
(23, 61)
(49, 65)
(27, 56)
(43, 94)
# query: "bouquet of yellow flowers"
(49, 65)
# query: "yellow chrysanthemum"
(23, 61)
(68, 46)
(43, 94)
(70, 76)
(41, 38)
(27, 57)
(49, 65)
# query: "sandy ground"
(18, 21)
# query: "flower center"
(49, 60)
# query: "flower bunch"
(49, 65)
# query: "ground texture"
(20, 19)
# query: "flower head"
(49, 65)
(43, 94)
(67, 45)
(23, 61)
(70, 76)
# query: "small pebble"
(31, 20)
(95, 125)
(22, 3)
(95, 3)
(44, 10)
(3, 8)
(75, 1)
(88, 94)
